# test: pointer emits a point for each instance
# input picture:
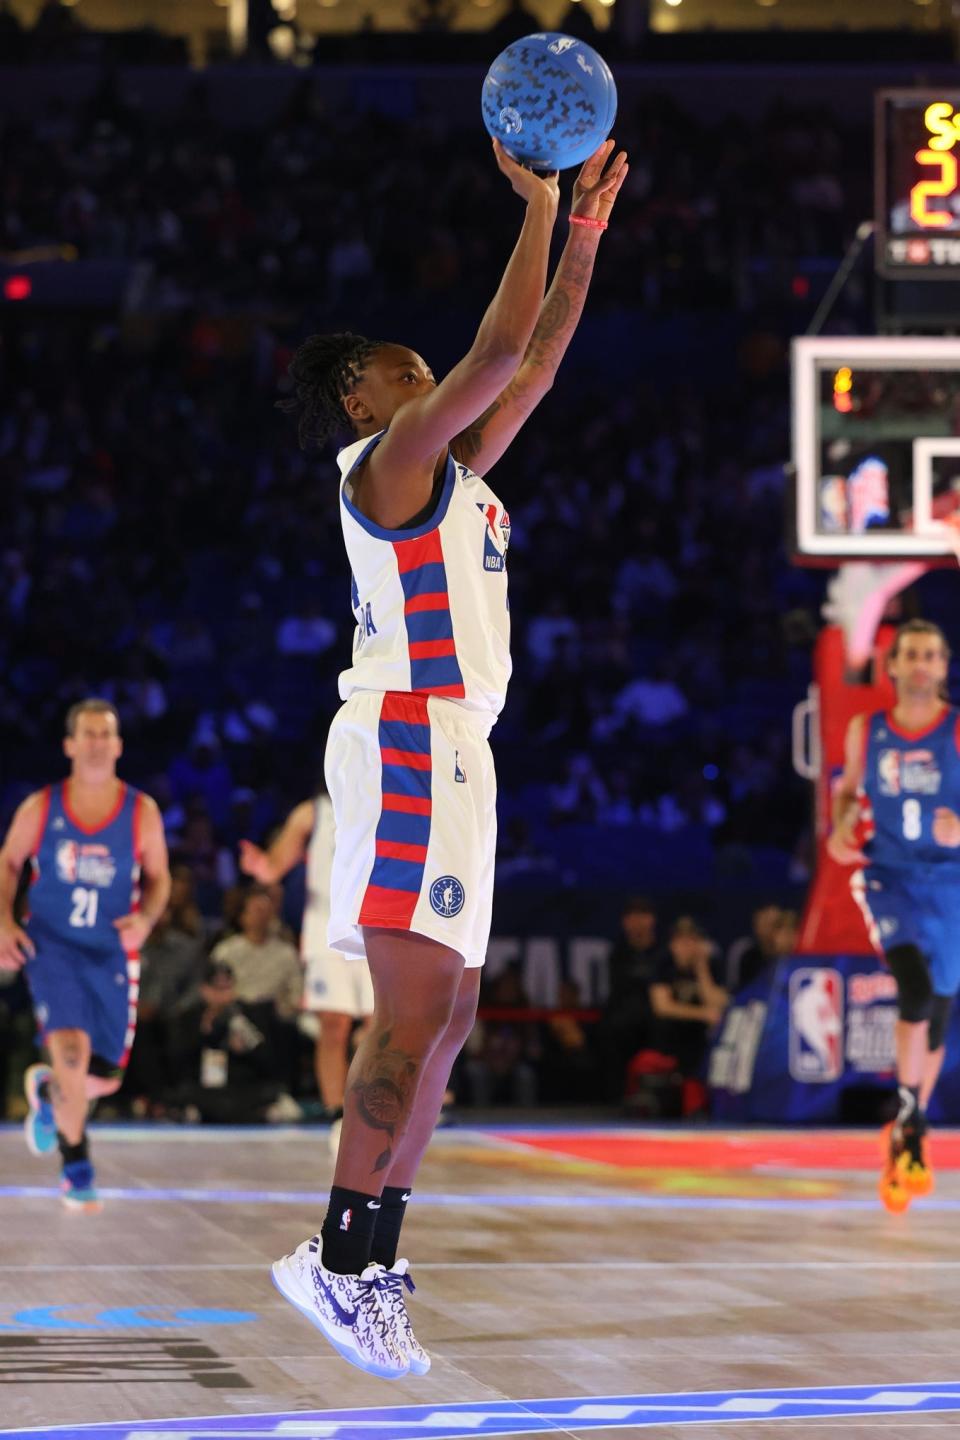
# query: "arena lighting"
(674, 3)
(842, 386)
(17, 287)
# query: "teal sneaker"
(39, 1128)
(77, 1188)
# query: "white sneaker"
(350, 1310)
(392, 1284)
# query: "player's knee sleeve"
(939, 1015)
(912, 974)
(102, 1069)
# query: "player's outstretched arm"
(287, 850)
(841, 842)
(482, 443)
(400, 471)
(22, 840)
(134, 928)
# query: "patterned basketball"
(550, 100)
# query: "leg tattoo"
(384, 1091)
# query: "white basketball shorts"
(332, 982)
(414, 795)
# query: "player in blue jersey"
(906, 763)
(100, 882)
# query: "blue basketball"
(550, 100)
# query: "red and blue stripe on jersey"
(403, 830)
(434, 668)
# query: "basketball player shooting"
(408, 766)
(907, 763)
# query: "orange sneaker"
(893, 1191)
(913, 1168)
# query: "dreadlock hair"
(324, 369)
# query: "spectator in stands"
(686, 1000)
(172, 964)
(626, 1025)
(182, 909)
(265, 965)
(785, 934)
(749, 956)
(568, 1065)
(502, 1053)
(220, 1056)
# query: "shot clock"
(917, 171)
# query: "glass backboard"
(876, 446)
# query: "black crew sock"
(69, 1153)
(347, 1230)
(909, 1112)
(386, 1232)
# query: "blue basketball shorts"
(906, 909)
(94, 991)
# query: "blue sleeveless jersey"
(907, 778)
(84, 879)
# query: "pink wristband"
(588, 222)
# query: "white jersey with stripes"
(430, 602)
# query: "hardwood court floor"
(621, 1273)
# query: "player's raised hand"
(596, 188)
(255, 862)
(15, 946)
(133, 930)
(946, 827)
(525, 183)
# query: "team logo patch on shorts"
(447, 896)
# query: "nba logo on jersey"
(447, 896)
(493, 558)
(458, 771)
(888, 772)
(816, 1025)
(67, 861)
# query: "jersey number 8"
(911, 820)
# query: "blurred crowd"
(718, 212)
(165, 544)
(225, 1033)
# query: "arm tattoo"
(470, 441)
(384, 1092)
(559, 316)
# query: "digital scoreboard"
(917, 174)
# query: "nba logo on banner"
(816, 1025)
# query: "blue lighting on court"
(489, 1199)
(122, 1317)
(542, 1417)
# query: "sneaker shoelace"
(394, 1287)
(374, 1311)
